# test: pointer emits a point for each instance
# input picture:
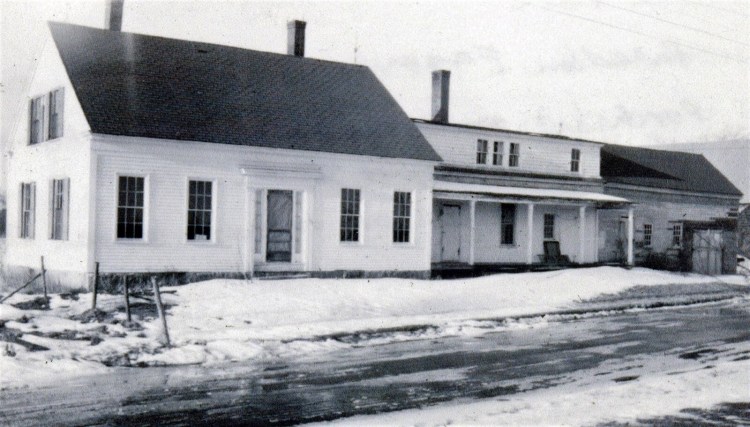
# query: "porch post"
(472, 229)
(630, 236)
(581, 234)
(530, 234)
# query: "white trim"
(455, 187)
(668, 191)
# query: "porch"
(487, 229)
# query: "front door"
(450, 233)
(280, 213)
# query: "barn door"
(280, 216)
(707, 252)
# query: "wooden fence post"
(96, 285)
(127, 296)
(160, 308)
(44, 281)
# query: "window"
(507, 223)
(514, 154)
(549, 226)
(28, 204)
(401, 216)
(46, 116)
(647, 233)
(199, 210)
(349, 215)
(59, 211)
(677, 235)
(497, 153)
(259, 221)
(130, 207)
(575, 160)
(481, 151)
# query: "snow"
(456, 187)
(663, 385)
(221, 321)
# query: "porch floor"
(453, 270)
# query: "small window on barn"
(59, 209)
(130, 206)
(497, 153)
(514, 154)
(199, 210)
(349, 231)
(549, 226)
(28, 206)
(575, 160)
(647, 233)
(507, 223)
(481, 151)
(401, 216)
(677, 235)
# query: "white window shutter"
(66, 208)
(32, 225)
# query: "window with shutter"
(36, 125)
(59, 211)
(28, 202)
(56, 104)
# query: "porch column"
(530, 234)
(581, 234)
(630, 236)
(472, 229)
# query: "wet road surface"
(373, 379)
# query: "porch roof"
(530, 194)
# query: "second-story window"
(575, 160)
(497, 153)
(481, 151)
(514, 154)
(46, 116)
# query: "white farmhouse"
(153, 155)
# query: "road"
(373, 379)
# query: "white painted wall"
(543, 155)
(167, 166)
(66, 157)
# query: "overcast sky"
(631, 73)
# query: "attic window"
(46, 116)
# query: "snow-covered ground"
(234, 320)
(647, 388)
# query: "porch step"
(269, 275)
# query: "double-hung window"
(401, 216)
(549, 226)
(575, 160)
(28, 206)
(497, 153)
(481, 151)
(349, 231)
(59, 209)
(130, 207)
(199, 210)
(46, 116)
(677, 235)
(514, 154)
(647, 233)
(507, 223)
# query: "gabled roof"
(663, 169)
(154, 87)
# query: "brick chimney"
(441, 80)
(113, 18)
(296, 38)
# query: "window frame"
(648, 235)
(408, 218)
(677, 235)
(514, 155)
(357, 215)
(575, 160)
(506, 207)
(27, 225)
(145, 208)
(482, 151)
(64, 210)
(212, 211)
(497, 153)
(548, 227)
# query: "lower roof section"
(530, 194)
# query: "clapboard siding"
(167, 166)
(538, 154)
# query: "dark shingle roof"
(138, 85)
(663, 169)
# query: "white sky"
(621, 72)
